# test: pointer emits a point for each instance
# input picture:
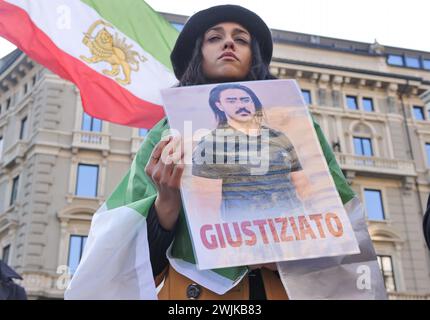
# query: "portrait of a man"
(259, 167)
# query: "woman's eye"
(214, 38)
(243, 41)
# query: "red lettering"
(220, 235)
(317, 219)
(260, 224)
(284, 236)
(294, 226)
(212, 244)
(244, 226)
(240, 233)
(339, 231)
(305, 228)
(238, 241)
(273, 229)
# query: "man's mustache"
(243, 110)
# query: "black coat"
(9, 290)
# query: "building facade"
(58, 164)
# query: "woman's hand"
(165, 168)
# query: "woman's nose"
(228, 44)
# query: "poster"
(256, 187)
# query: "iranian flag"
(116, 52)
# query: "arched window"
(388, 246)
(363, 140)
(75, 225)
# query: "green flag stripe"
(141, 23)
(342, 186)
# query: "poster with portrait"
(256, 187)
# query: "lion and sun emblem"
(113, 50)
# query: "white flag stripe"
(207, 278)
(116, 262)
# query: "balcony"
(375, 165)
(9, 218)
(90, 140)
(407, 296)
(14, 154)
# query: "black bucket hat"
(200, 22)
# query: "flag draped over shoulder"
(116, 52)
(116, 263)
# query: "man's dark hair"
(214, 96)
(193, 75)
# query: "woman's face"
(226, 51)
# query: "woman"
(221, 44)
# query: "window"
(178, 26)
(351, 102)
(428, 154)
(368, 105)
(23, 131)
(374, 206)
(33, 81)
(420, 62)
(87, 180)
(363, 146)
(5, 254)
(386, 267)
(395, 60)
(418, 113)
(8, 103)
(143, 132)
(412, 62)
(1, 146)
(14, 193)
(76, 248)
(91, 124)
(25, 88)
(307, 96)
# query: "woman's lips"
(228, 56)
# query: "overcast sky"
(397, 23)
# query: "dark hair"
(215, 94)
(193, 75)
